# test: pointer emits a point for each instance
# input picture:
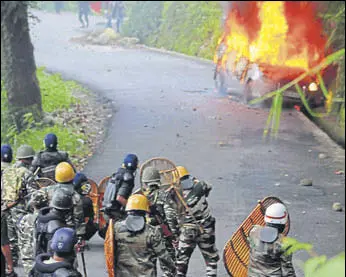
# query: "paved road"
(166, 107)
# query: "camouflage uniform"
(267, 259)
(26, 228)
(22, 178)
(77, 217)
(164, 213)
(137, 253)
(197, 228)
(47, 161)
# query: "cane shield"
(236, 252)
(44, 182)
(94, 196)
(109, 249)
(169, 173)
(102, 188)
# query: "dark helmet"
(6, 153)
(64, 240)
(131, 162)
(62, 200)
(51, 141)
(80, 183)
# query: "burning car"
(267, 44)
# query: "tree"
(18, 67)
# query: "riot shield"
(109, 249)
(169, 173)
(44, 182)
(102, 188)
(236, 253)
(94, 196)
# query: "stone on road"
(241, 173)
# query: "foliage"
(70, 6)
(144, 20)
(56, 96)
(317, 266)
(188, 27)
(56, 93)
(275, 112)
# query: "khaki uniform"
(267, 259)
(137, 253)
(77, 217)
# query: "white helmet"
(276, 214)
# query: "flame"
(284, 38)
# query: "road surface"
(166, 106)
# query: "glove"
(80, 246)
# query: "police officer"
(17, 182)
(6, 157)
(139, 245)
(26, 227)
(46, 161)
(118, 190)
(6, 256)
(51, 219)
(198, 225)
(64, 175)
(58, 265)
(267, 255)
(163, 210)
(82, 186)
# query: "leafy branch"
(273, 121)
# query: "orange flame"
(284, 38)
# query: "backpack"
(111, 192)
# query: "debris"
(309, 150)
(194, 109)
(339, 172)
(277, 184)
(145, 125)
(322, 156)
(306, 182)
(337, 207)
(223, 144)
(178, 135)
(219, 178)
(303, 212)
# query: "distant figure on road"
(118, 14)
(59, 5)
(83, 10)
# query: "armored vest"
(47, 161)
(58, 269)
(48, 221)
(122, 182)
(135, 256)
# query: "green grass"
(55, 92)
(57, 96)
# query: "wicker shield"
(109, 249)
(236, 253)
(102, 187)
(94, 196)
(168, 171)
(44, 182)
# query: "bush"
(192, 28)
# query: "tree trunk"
(18, 64)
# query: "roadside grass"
(57, 98)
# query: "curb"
(318, 132)
(177, 54)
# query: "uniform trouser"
(190, 237)
(91, 229)
(3, 265)
(15, 214)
